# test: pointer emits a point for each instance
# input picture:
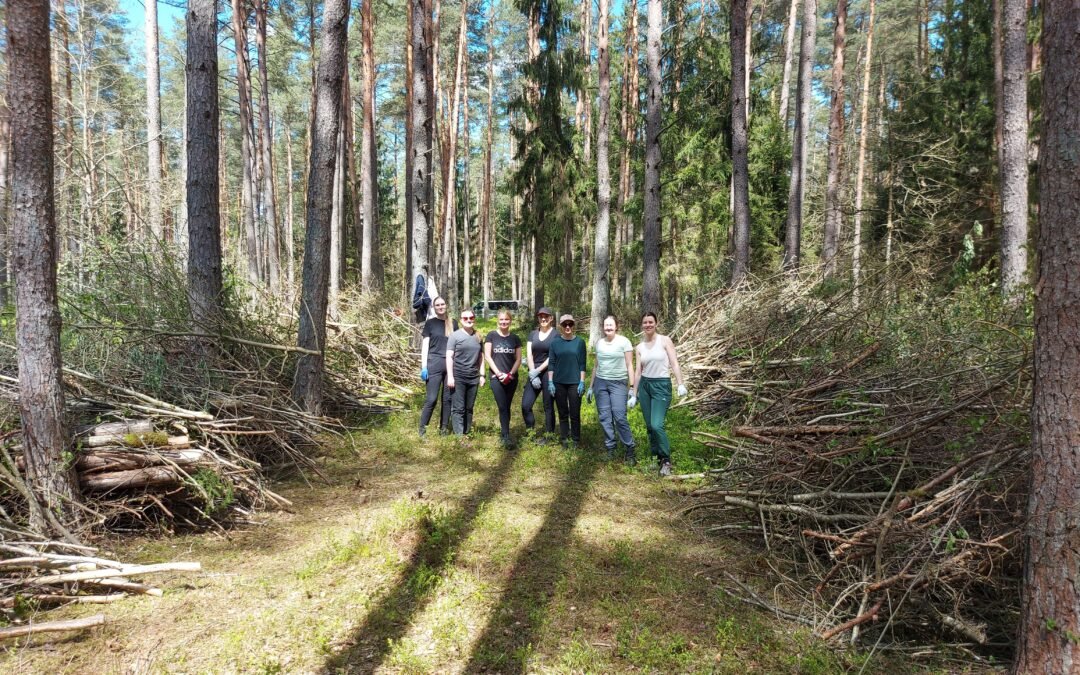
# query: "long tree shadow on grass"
(388, 621)
(514, 625)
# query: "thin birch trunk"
(739, 145)
(797, 189)
(1014, 153)
(153, 120)
(247, 186)
(269, 201)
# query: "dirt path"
(443, 556)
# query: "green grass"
(451, 554)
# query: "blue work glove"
(551, 387)
(535, 382)
(682, 390)
(423, 374)
(588, 395)
(580, 388)
(631, 402)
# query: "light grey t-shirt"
(467, 351)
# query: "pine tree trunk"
(410, 70)
(203, 184)
(466, 146)
(583, 109)
(601, 253)
(337, 204)
(5, 199)
(789, 51)
(797, 190)
(486, 233)
(37, 312)
(290, 216)
(627, 128)
(1014, 155)
(740, 166)
(269, 199)
(307, 384)
(371, 262)
(833, 221)
(247, 158)
(420, 126)
(1050, 596)
(864, 122)
(651, 276)
(153, 120)
(449, 281)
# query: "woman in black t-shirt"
(537, 359)
(433, 365)
(502, 350)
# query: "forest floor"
(447, 555)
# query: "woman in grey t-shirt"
(463, 371)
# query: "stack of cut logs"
(131, 455)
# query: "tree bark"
(371, 261)
(740, 164)
(5, 199)
(269, 199)
(583, 109)
(789, 51)
(797, 189)
(247, 155)
(486, 233)
(34, 254)
(651, 234)
(627, 129)
(153, 120)
(864, 132)
(833, 220)
(1050, 596)
(449, 279)
(420, 124)
(204, 274)
(290, 216)
(1014, 152)
(410, 65)
(307, 384)
(601, 254)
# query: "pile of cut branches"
(211, 403)
(877, 448)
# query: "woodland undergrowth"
(876, 446)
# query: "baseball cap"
(566, 317)
(545, 310)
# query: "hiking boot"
(506, 442)
(665, 468)
(423, 432)
(631, 457)
(611, 454)
(540, 440)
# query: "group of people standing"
(455, 363)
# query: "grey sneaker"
(665, 468)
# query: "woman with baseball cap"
(566, 378)
(536, 356)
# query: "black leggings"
(435, 387)
(504, 398)
(528, 398)
(569, 403)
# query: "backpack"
(421, 300)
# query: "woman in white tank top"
(652, 386)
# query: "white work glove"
(631, 402)
(534, 372)
(535, 382)
(682, 390)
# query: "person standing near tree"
(566, 379)
(435, 334)
(464, 366)
(656, 361)
(614, 364)
(502, 351)
(536, 354)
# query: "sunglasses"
(568, 324)
(469, 317)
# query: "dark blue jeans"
(568, 401)
(611, 408)
(528, 398)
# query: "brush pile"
(179, 424)
(876, 448)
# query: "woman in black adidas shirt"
(502, 350)
(433, 366)
(536, 353)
